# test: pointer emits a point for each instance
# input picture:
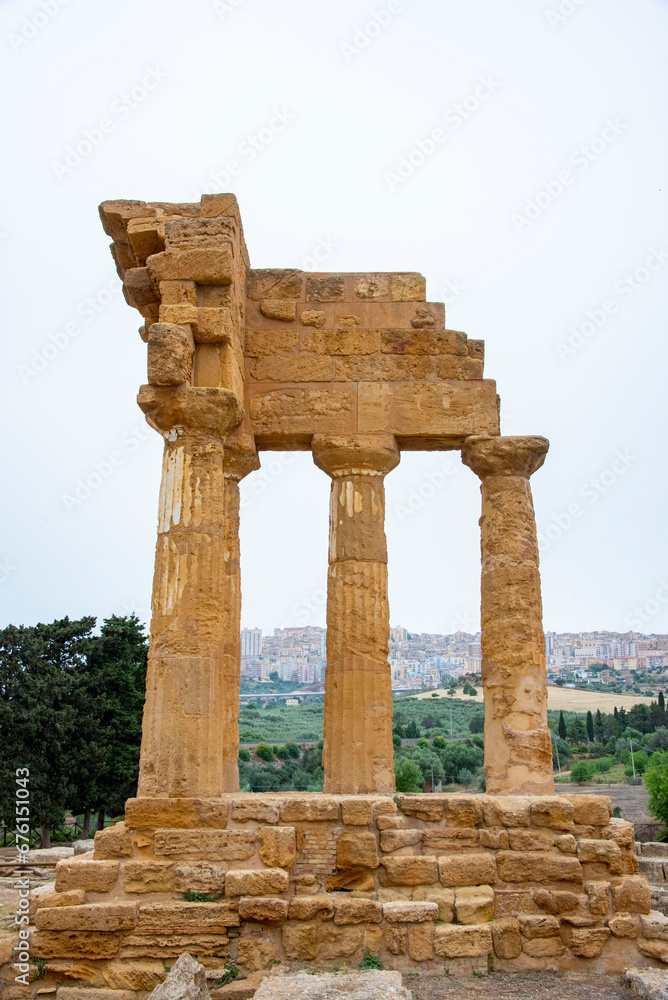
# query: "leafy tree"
(561, 729)
(428, 722)
(590, 727)
(623, 722)
(582, 770)
(576, 730)
(656, 779)
(399, 730)
(427, 760)
(244, 754)
(477, 724)
(396, 740)
(598, 726)
(424, 743)
(466, 777)
(293, 750)
(438, 743)
(408, 775)
(264, 752)
(457, 756)
(604, 764)
(38, 723)
(659, 739)
(273, 676)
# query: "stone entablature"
(420, 880)
(357, 368)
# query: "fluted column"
(358, 754)
(237, 464)
(518, 750)
(183, 735)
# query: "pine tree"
(590, 727)
(662, 702)
(561, 728)
(412, 730)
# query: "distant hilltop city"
(606, 660)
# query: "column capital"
(504, 456)
(241, 457)
(198, 410)
(355, 454)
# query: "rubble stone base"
(423, 882)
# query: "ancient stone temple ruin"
(356, 368)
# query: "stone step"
(354, 986)
(652, 869)
(654, 851)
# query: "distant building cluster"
(626, 660)
(296, 655)
(417, 660)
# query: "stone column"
(237, 464)
(518, 749)
(184, 740)
(358, 754)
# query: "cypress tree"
(561, 728)
(662, 702)
(590, 727)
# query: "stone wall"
(423, 881)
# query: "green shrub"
(244, 754)
(370, 961)
(582, 770)
(283, 753)
(603, 764)
(265, 752)
(408, 775)
(422, 742)
(293, 750)
(439, 743)
(396, 740)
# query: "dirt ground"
(516, 985)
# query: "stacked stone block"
(422, 881)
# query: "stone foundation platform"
(422, 881)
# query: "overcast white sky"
(353, 98)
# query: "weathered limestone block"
(204, 265)
(311, 809)
(654, 949)
(199, 878)
(300, 941)
(374, 939)
(274, 282)
(391, 823)
(357, 812)
(621, 831)
(632, 895)
(654, 926)
(474, 904)
(420, 942)
(506, 938)
(74, 944)
(537, 925)
(282, 309)
(410, 911)
(444, 899)
(506, 810)
(451, 941)
(599, 897)
(180, 814)
(207, 845)
(450, 838)
(168, 918)
(114, 842)
(149, 876)
(551, 947)
(261, 808)
(517, 866)
(530, 840)
(305, 885)
(494, 839)
(277, 846)
(463, 810)
(329, 288)
(309, 907)
(467, 869)
(552, 811)
(89, 917)
(410, 871)
(518, 757)
(170, 354)
(423, 807)
(312, 317)
(396, 939)
(82, 873)
(263, 909)
(269, 881)
(133, 976)
(600, 851)
(46, 896)
(255, 953)
(163, 946)
(92, 993)
(591, 810)
(356, 850)
(338, 942)
(348, 910)
(559, 901)
(184, 981)
(623, 926)
(566, 843)
(587, 942)
(394, 840)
